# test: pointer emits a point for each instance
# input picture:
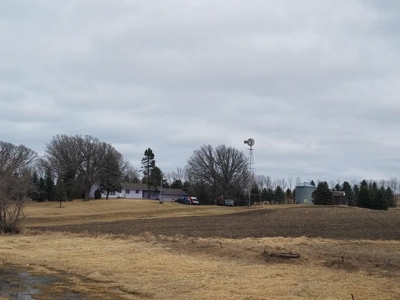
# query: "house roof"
(177, 192)
(305, 184)
(133, 186)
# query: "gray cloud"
(316, 83)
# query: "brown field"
(121, 249)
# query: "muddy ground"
(308, 221)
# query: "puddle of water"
(19, 284)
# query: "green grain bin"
(303, 193)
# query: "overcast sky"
(315, 83)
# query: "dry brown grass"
(78, 211)
(179, 267)
(149, 267)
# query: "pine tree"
(390, 197)
(254, 194)
(323, 195)
(373, 189)
(279, 195)
(49, 185)
(177, 184)
(356, 192)
(148, 164)
(380, 200)
(349, 193)
(97, 194)
(60, 193)
(33, 192)
(364, 197)
(42, 189)
(288, 195)
(270, 196)
(264, 196)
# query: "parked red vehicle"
(193, 200)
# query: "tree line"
(71, 165)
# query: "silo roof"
(305, 184)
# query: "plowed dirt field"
(308, 221)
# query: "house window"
(128, 192)
(137, 191)
(112, 193)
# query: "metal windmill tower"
(251, 143)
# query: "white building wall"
(132, 194)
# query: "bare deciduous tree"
(15, 182)
(131, 174)
(268, 183)
(383, 183)
(179, 174)
(79, 156)
(176, 176)
(283, 184)
(393, 183)
(261, 181)
(223, 169)
(290, 182)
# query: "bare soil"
(309, 221)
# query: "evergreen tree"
(177, 184)
(373, 189)
(364, 197)
(148, 164)
(312, 182)
(42, 189)
(279, 195)
(349, 193)
(380, 200)
(264, 197)
(49, 184)
(33, 192)
(356, 192)
(322, 194)
(254, 194)
(270, 196)
(97, 194)
(288, 195)
(390, 197)
(111, 175)
(156, 178)
(60, 193)
(186, 186)
(202, 194)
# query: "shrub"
(97, 194)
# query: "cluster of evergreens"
(43, 188)
(366, 195)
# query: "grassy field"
(78, 211)
(155, 266)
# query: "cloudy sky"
(315, 83)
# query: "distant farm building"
(340, 198)
(303, 193)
